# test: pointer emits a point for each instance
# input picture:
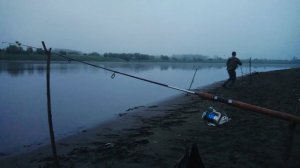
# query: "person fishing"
(232, 64)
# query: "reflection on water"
(19, 68)
(83, 96)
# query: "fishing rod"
(204, 95)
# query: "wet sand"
(158, 135)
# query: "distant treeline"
(17, 52)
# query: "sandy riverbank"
(157, 135)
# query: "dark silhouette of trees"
(129, 57)
(16, 52)
(94, 54)
(164, 58)
(62, 53)
(39, 51)
(13, 49)
(29, 50)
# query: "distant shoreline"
(21, 55)
(66, 62)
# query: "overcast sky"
(256, 28)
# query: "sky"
(253, 28)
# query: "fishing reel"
(215, 118)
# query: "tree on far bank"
(13, 49)
(29, 50)
(94, 54)
(62, 53)
(164, 58)
(39, 51)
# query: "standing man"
(232, 64)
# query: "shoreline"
(124, 120)
(150, 62)
(157, 135)
(114, 123)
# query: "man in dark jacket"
(232, 64)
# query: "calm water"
(84, 96)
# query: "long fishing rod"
(235, 103)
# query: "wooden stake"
(52, 137)
(193, 79)
(250, 62)
(290, 137)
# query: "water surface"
(83, 96)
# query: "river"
(83, 96)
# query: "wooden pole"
(193, 79)
(290, 137)
(52, 137)
(250, 61)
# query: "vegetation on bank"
(17, 52)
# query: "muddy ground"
(138, 139)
